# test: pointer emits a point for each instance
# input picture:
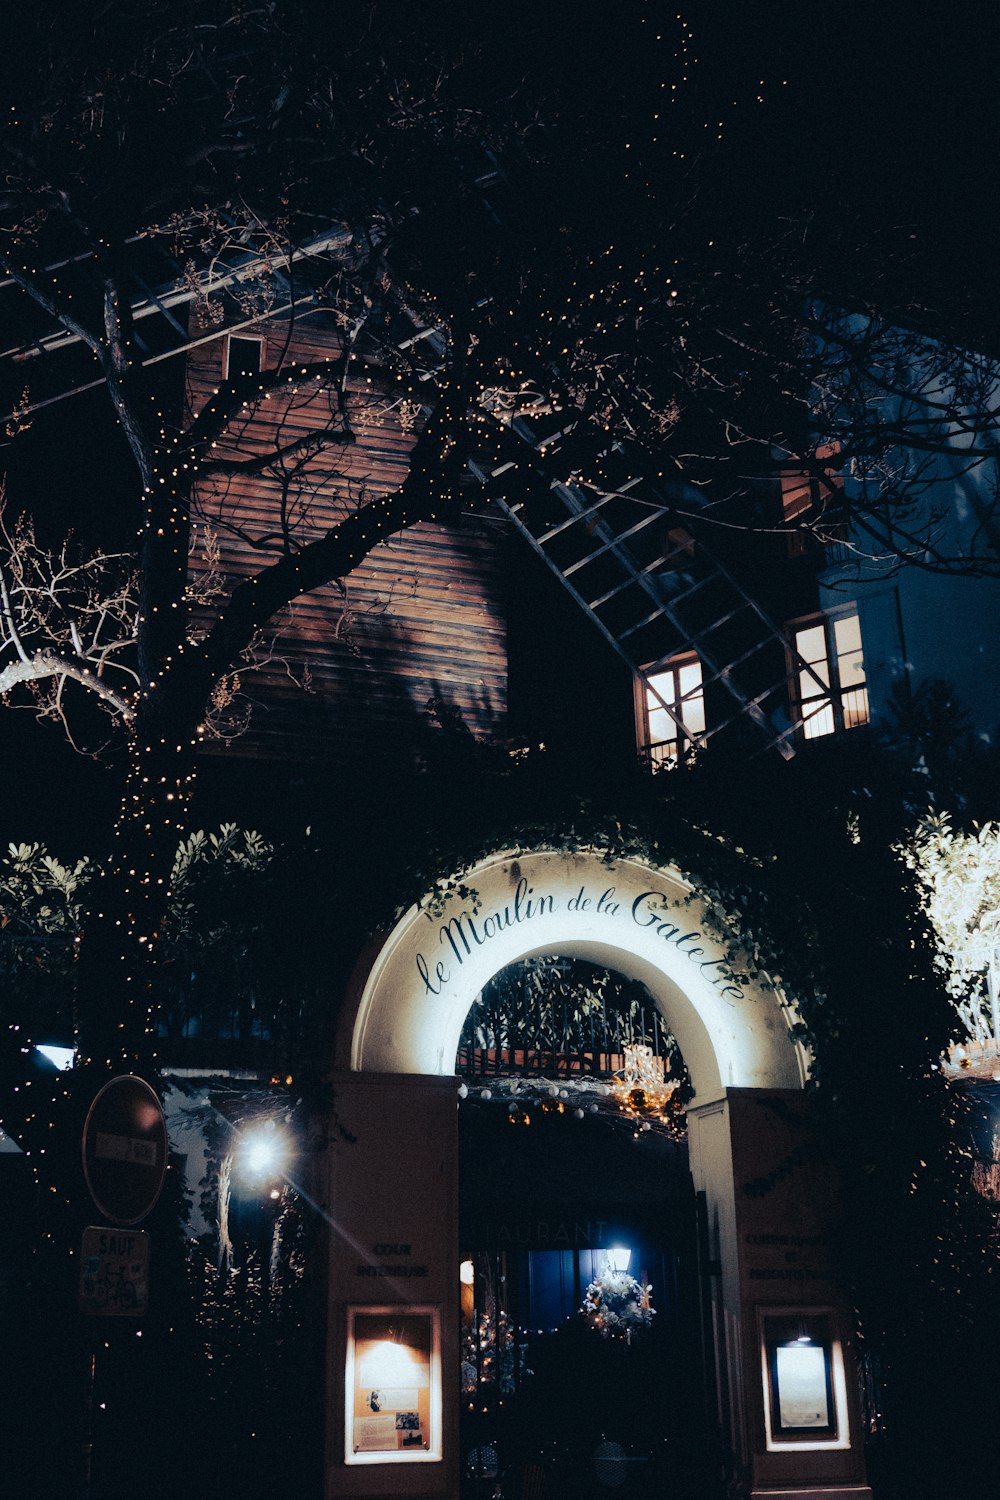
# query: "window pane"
(661, 725)
(800, 1370)
(850, 662)
(847, 634)
(811, 643)
(665, 684)
(693, 706)
(817, 718)
(244, 357)
(693, 714)
(811, 646)
(690, 677)
(661, 736)
(852, 670)
(828, 701)
(800, 1373)
(855, 706)
(809, 687)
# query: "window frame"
(807, 492)
(821, 1320)
(836, 691)
(687, 742)
(246, 338)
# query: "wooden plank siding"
(421, 619)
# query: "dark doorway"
(554, 1404)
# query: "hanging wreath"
(617, 1305)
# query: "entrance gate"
(779, 1322)
(545, 1397)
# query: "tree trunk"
(116, 1021)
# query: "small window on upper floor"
(805, 495)
(243, 357)
(670, 711)
(830, 688)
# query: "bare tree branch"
(65, 619)
(43, 665)
(303, 447)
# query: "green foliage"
(567, 1006)
(41, 909)
(39, 896)
(231, 848)
(958, 877)
(209, 953)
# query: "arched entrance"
(778, 1320)
(583, 1339)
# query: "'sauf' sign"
(114, 1272)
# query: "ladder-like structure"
(654, 590)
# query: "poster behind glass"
(393, 1371)
(800, 1368)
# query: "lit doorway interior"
(585, 1366)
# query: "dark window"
(244, 358)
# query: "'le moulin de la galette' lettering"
(461, 935)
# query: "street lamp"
(262, 1156)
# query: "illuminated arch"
(411, 998)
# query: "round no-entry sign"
(125, 1149)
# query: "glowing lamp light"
(466, 1273)
(263, 1152)
(619, 1257)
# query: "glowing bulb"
(262, 1151)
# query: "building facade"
(456, 1284)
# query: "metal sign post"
(124, 1163)
(125, 1150)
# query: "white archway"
(643, 921)
(393, 1168)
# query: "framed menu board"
(800, 1375)
(393, 1385)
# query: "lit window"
(829, 674)
(671, 715)
(805, 496)
(244, 358)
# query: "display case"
(393, 1385)
(804, 1382)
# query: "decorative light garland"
(641, 1097)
